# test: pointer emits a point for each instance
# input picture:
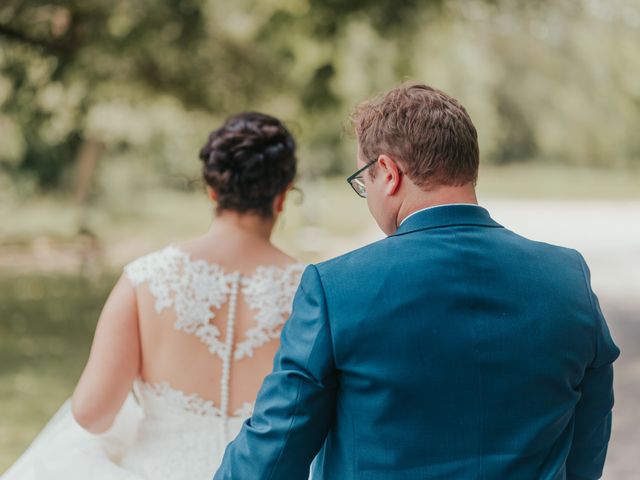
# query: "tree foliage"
(547, 81)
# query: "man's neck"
(445, 195)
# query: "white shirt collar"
(435, 206)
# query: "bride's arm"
(114, 362)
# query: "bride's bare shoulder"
(283, 259)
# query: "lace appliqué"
(192, 403)
(270, 291)
(192, 287)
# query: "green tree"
(134, 86)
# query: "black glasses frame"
(359, 187)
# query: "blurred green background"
(105, 104)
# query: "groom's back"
(461, 348)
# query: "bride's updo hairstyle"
(249, 161)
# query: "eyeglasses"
(357, 181)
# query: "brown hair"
(428, 132)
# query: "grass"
(46, 326)
(558, 182)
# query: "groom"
(452, 349)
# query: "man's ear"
(390, 172)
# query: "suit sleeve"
(594, 409)
(295, 406)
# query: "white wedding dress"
(161, 432)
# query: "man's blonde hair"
(428, 132)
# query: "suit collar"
(446, 216)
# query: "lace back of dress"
(196, 290)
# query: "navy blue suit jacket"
(452, 349)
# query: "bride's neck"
(242, 224)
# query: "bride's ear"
(278, 203)
(212, 194)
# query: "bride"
(188, 332)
